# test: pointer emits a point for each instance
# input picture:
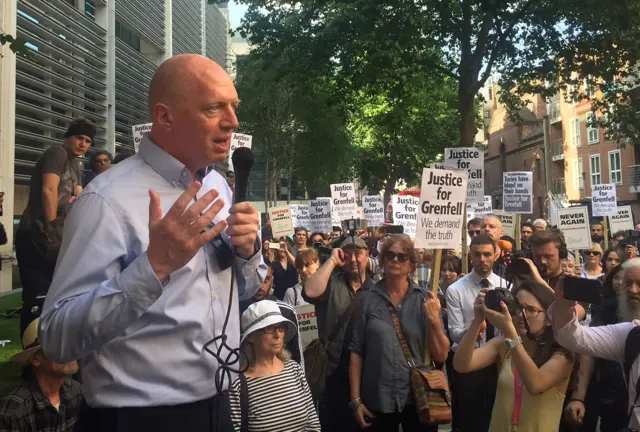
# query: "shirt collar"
(476, 278)
(170, 168)
(380, 287)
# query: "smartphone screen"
(583, 290)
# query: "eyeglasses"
(474, 232)
(390, 256)
(281, 327)
(592, 253)
(531, 312)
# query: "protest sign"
(281, 223)
(623, 220)
(343, 200)
(300, 215)
(470, 212)
(603, 200)
(137, 131)
(405, 213)
(437, 165)
(508, 221)
(238, 140)
(320, 215)
(307, 324)
(517, 188)
(373, 210)
(574, 224)
(483, 208)
(441, 207)
(470, 159)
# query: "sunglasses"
(592, 253)
(474, 232)
(390, 256)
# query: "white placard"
(373, 210)
(623, 220)
(437, 165)
(307, 324)
(238, 140)
(508, 221)
(405, 213)
(603, 200)
(300, 215)
(343, 199)
(517, 189)
(574, 224)
(137, 131)
(440, 211)
(281, 222)
(483, 208)
(470, 212)
(471, 160)
(320, 215)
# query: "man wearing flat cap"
(47, 399)
(55, 184)
(333, 293)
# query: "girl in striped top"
(278, 394)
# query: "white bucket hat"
(263, 314)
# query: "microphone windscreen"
(242, 159)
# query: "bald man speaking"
(143, 278)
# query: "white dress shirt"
(461, 295)
(606, 342)
(141, 343)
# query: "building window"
(589, 89)
(574, 128)
(126, 36)
(90, 10)
(592, 131)
(594, 164)
(615, 167)
(578, 178)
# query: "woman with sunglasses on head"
(592, 267)
(379, 373)
(271, 376)
(534, 369)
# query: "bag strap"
(244, 404)
(403, 342)
(295, 297)
(631, 352)
(343, 319)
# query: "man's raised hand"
(178, 236)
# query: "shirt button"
(153, 297)
(215, 297)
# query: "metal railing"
(557, 150)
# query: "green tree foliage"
(364, 41)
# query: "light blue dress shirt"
(141, 343)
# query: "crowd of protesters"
(186, 318)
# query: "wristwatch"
(512, 343)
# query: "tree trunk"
(289, 181)
(275, 182)
(266, 185)
(468, 127)
(390, 185)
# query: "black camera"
(519, 267)
(493, 298)
(631, 236)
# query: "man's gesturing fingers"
(194, 212)
(155, 210)
(205, 219)
(183, 201)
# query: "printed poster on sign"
(471, 160)
(508, 221)
(300, 215)
(320, 215)
(623, 220)
(437, 165)
(517, 188)
(281, 222)
(483, 208)
(441, 209)
(603, 200)
(373, 210)
(574, 224)
(238, 140)
(343, 199)
(307, 324)
(138, 131)
(405, 213)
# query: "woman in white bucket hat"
(272, 394)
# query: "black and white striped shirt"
(277, 403)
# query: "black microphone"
(242, 159)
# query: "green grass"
(9, 329)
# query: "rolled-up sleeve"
(93, 296)
(454, 314)
(606, 342)
(251, 274)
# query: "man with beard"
(597, 232)
(492, 228)
(606, 342)
(332, 294)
